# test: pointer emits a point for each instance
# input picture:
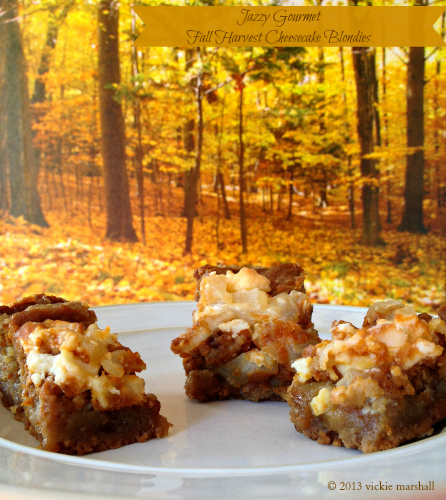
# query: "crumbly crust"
(73, 312)
(374, 387)
(249, 326)
(79, 391)
(31, 300)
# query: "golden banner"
(172, 26)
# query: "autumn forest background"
(122, 170)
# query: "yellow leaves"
(83, 267)
(73, 260)
(34, 252)
(34, 288)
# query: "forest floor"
(72, 258)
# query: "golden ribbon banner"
(172, 26)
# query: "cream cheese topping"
(81, 361)
(235, 326)
(303, 369)
(319, 403)
(400, 339)
(244, 296)
(404, 340)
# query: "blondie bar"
(375, 387)
(249, 326)
(73, 384)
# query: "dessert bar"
(73, 384)
(249, 326)
(375, 387)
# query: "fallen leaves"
(74, 261)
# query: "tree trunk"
(25, 199)
(137, 124)
(189, 147)
(4, 199)
(52, 33)
(221, 185)
(376, 118)
(351, 186)
(364, 77)
(271, 199)
(4, 194)
(439, 190)
(437, 181)
(386, 136)
(220, 182)
(323, 201)
(243, 229)
(34, 212)
(194, 175)
(377, 123)
(59, 170)
(188, 142)
(118, 210)
(90, 196)
(39, 95)
(323, 182)
(413, 194)
(290, 194)
(351, 198)
(13, 78)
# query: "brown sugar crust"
(73, 312)
(398, 397)
(245, 352)
(407, 416)
(55, 421)
(206, 385)
(22, 304)
(283, 277)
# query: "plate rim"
(365, 459)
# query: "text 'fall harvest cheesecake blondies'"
(249, 326)
(72, 383)
(374, 387)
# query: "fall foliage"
(73, 259)
(233, 156)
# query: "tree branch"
(431, 54)
(397, 55)
(221, 84)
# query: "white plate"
(222, 449)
